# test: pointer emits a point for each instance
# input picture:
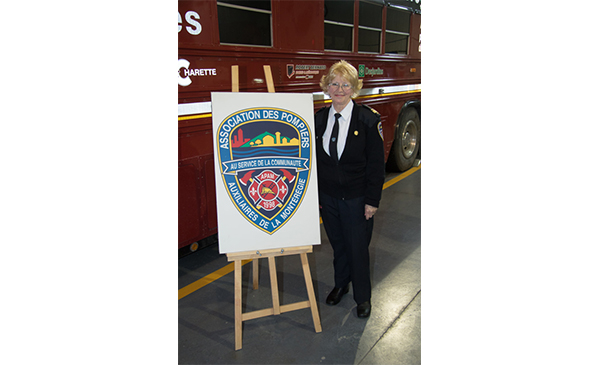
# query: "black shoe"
(336, 295)
(364, 309)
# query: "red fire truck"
(299, 40)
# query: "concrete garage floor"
(391, 335)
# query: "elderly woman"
(350, 165)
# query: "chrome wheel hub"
(409, 139)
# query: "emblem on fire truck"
(264, 157)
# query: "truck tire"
(407, 141)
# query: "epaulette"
(373, 110)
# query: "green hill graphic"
(267, 139)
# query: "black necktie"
(334, 137)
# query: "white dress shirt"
(344, 123)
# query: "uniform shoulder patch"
(380, 129)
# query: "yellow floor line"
(400, 177)
(186, 290)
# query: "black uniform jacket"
(361, 168)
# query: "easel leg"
(274, 287)
(269, 78)
(235, 83)
(311, 293)
(255, 274)
(238, 304)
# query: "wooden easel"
(271, 254)
(277, 308)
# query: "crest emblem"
(264, 157)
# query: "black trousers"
(350, 234)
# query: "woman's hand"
(369, 211)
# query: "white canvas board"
(265, 171)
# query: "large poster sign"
(265, 171)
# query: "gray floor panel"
(391, 335)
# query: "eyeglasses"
(336, 85)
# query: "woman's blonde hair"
(344, 70)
